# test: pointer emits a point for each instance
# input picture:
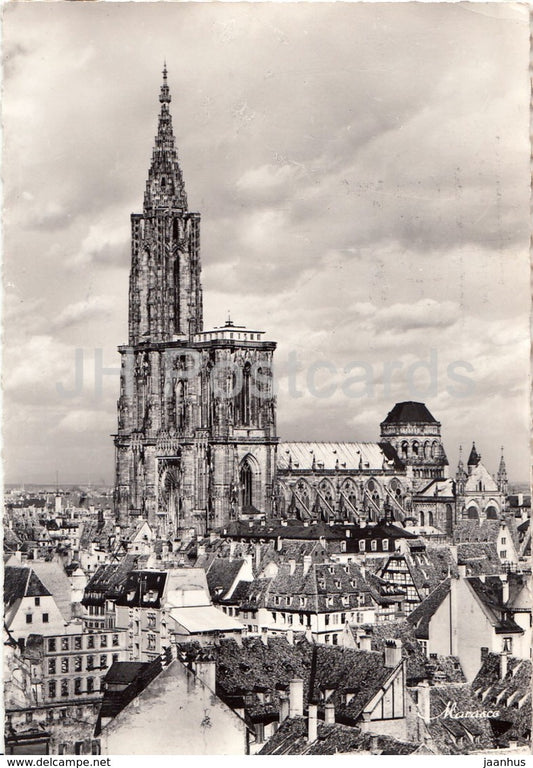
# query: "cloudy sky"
(362, 175)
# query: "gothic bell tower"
(196, 443)
(165, 292)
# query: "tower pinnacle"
(165, 187)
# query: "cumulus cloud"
(363, 183)
(82, 311)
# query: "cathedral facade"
(196, 445)
(196, 439)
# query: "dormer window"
(385, 544)
(373, 545)
(362, 545)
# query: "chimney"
(482, 578)
(257, 550)
(231, 550)
(312, 723)
(296, 697)
(308, 561)
(292, 566)
(212, 537)
(504, 661)
(453, 551)
(329, 713)
(505, 587)
(393, 653)
(290, 636)
(264, 638)
(365, 643)
(283, 706)
(513, 744)
(279, 544)
(462, 571)
(201, 549)
(423, 693)
(206, 671)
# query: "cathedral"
(196, 445)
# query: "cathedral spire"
(165, 187)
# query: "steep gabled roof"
(423, 613)
(221, 575)
(22, 582)
(56, 580)
(489, 593)
(409, 412)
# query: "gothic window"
(415, 448)
(243, 397)
(430, 518)
(179, 405)
(246, 478)
(422, 519)
(434, 449)
(405, 449)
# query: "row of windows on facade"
(77, 663)
(76, 643)
(64, 689)
(52, 715)
(301, 600)
(329, 618)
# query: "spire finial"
(164, 96)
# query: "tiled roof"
(422, 614)
(457, 735)
(489, 592)
(474, 530)
(417, 665)
(109, 580)
(480, 557)
(124, 672)
(143, 588)
(21, 582)
(221, 575)
(344, 456)
(341, 669)
(56, 581)
(323, 587)
(291, 739)
(511, 696)
(409, 412)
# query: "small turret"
(473, 459)
(501, 477)
(461, 476)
